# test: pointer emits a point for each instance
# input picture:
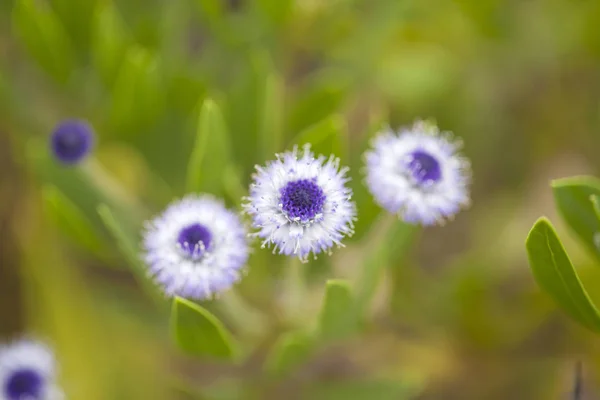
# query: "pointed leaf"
(397, 236)
(572, 197)
(291, 350)
(554, 272)
(271, 128)
(137, 100)
(326, 137)
(72, 221)
(211, 152)
(337, 317)
(322, 97)
(44, 37)
(109, 41)
(199, 333)
(127, 243)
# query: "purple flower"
(196, 248)
(418, 174)
(71, 141)
(300, 204)
(27, 371)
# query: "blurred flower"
(71, 141)
(196, 248)
(301, 204)
(418, 174)
(27, 372)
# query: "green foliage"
(45, 38)
(67, 216)
(291, 350)
(337, 319)
(199, 333)
(573, 200)
(363, 390)
(211, 152)
(554, 272)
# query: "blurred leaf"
(199, 333)
(555, 274)
(291, 350)
(337, 320)
(320, 99)
(212, 10)
(109, 41)
(395, 236)
(271, 124)
(362, 390)
(127, 243)
(572, 197)
(211, 153)
(76, 17)
(137, 100)
(45, 38)
(326, 137)
(72, 221)
(276, 11)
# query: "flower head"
(301, 204)
(418, 174)
(196, 248)
(27, 371)
(71, 141)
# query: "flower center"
(424, 167)
(24, 384)
(302, 199)
(194, 240)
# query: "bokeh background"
(458, 315)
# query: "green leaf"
(137, 100)
(276, 12)
(291, 350)
(326, 137)
(362, 390)
(211, 152)
(44, 37)
(336, 320)
(76, 17)
(69, 218)
(555, 274)
(271, 124)
(322, 97)
(199, 333)
(109, 41)
(127, 243)
(572, 197)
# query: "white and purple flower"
(28, 371)
(418, 174)
(196, 248)
(300, 204)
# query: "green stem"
(390, 237)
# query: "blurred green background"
(457, 316)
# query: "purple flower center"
(424, 167)
(24, 384)
(71, 141)
(302, 199)
(194, 240)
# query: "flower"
(300, 203)
(418, 174)
(27, 371)
(71, 141)
(196, 248)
